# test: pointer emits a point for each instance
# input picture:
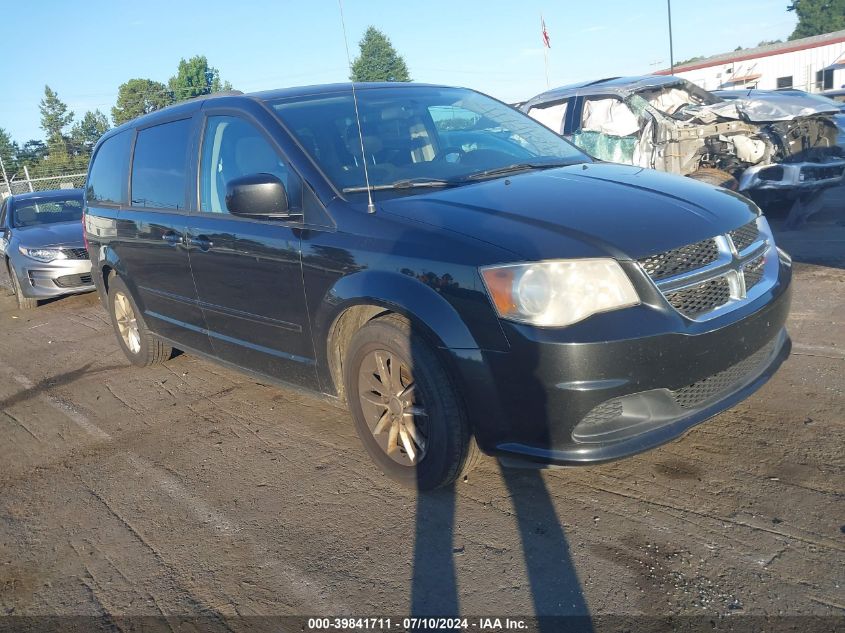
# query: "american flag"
(546, 41)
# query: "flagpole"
(545, 50)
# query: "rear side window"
(159, 165)
(108, 174)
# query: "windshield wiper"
(408, 183)
(516, 167)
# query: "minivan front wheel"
(137, 342)
(405, 406)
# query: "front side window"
(414, 134)
(108, 174)
(159, 166)
(34, 212)
(233, 148)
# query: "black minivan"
(454, 272)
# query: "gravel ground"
(188, 489)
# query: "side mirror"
(258, 196)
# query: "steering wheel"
(452, 150)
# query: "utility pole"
(671, 53)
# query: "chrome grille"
(753, 272)
(745, 236)
(701, 298)
(680, 260)
(75, 253)
(696, 394)
(708, 276)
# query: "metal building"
(814, 64)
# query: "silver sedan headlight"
(558, 292)
(43, 254)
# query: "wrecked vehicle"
(792, 102)
(670, 124)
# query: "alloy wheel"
(127, 323)
(392, 406)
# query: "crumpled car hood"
(772, 109)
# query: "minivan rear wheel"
(135, 339)
(405, 406)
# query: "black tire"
(24, 303)
(715, 177)
(150, 350)
(450, 450)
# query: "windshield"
(419, 136)
(35, 212)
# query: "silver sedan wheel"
(392, 407)
(127, 323)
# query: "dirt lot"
(190, 489)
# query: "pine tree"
(816, 17)
(85, 134)
(54, 119)
(378, 60)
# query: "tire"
(24, 303)
(433, 408)
(139, 345)
(715, 177)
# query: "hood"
(58, 234)
(588, 210)
(781, 107)
(769, 110)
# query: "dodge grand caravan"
(451, 270)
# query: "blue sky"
(84, 51)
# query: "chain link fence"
(25, 185)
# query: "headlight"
(42, 254)
(559, 292)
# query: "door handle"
(172, 238)
(201, 242)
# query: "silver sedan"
(42, 247)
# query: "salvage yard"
(191, 489)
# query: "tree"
(54, 119)
(32, 152)
(85, 134)
(137, 97)
(378, 60)
(195, 77)
(8, 152)
(816, 17)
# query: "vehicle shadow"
(557, 599)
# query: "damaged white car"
(670, 124)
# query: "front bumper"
(793, 176)
(615, 386)
(39, 280)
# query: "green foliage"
(32, 152)
(816, 17)
(769, 42)
(137, 97)
(378, 60)
(195, 77)
(85, 133)
(8, 152)
(54, 119)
